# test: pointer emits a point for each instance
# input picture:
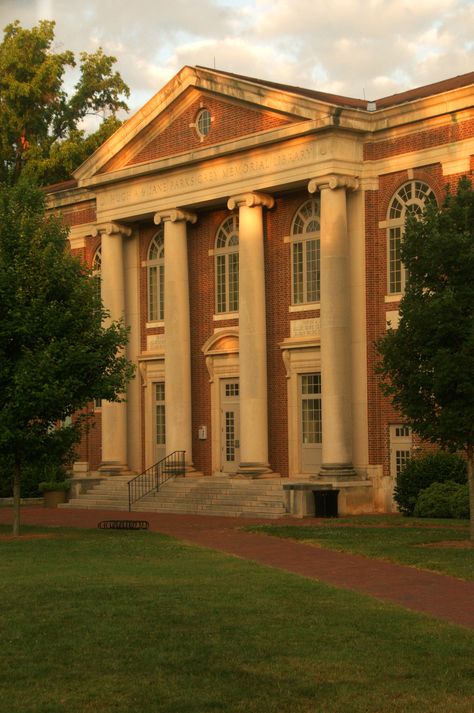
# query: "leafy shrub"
(446, 499)
(460, 502)
(421, 471)
(54, 485)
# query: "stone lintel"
(250, 200)
(332, 181)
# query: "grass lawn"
(395, 538)
(134, 622)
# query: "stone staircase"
(216, 495)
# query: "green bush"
(460, 502)
(54, 485)
(446, 499)
(421, 471)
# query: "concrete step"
(216, 495)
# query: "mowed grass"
(412, 541)
(133, 622)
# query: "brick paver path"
(434, 594)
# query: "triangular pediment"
(166, 126)
(176, 130)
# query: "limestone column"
(336, 393)
(252, 334)
(177, 333)
(114, 415)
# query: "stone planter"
(52, 498)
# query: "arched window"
(97, 267)
(156, 277)
(227, 266)
(412, 198)
(305, 254)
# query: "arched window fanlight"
(411, 198)
(227, 265)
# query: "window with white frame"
(411, 198)
(305, 254)
(96, 268)
(160, 424)
(311, 413)
(156, 277)
(203, 123)
(227, 265)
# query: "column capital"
(111, 229)
(250, 200)
(174, 215)
(332, 181)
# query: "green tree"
(427, 363)
(40, 123)
(56, 354)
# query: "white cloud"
(352, 47)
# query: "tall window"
(411, 198)
(311, 415)
(160, 427)
(305, 254)
(97, 267)
(227, 266)
(156, 277)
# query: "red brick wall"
(79, 214)
(380, 411)
(449, 133)
(278, 300)
(230, 122)
(201, 239)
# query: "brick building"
(249, 232)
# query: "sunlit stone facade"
(249, 234)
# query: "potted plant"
(55, 487)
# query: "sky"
(366, 49)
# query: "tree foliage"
(40, 123)
(427, 363)
(56, 355)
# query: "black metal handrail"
(153, 478)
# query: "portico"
(249, 236)
(333, 343)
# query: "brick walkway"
(433, 594)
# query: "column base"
(113, 468)
(338, 471)
(254, 470)
(191, 472)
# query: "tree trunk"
(470, 480)
(16, 498)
